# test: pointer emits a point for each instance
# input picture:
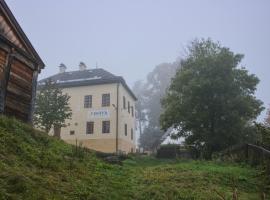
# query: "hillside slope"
(36, 166)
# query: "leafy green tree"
(52, 108)
(263, 133)
(211, 100)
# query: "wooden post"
(76, 147)
(263, 196)
(33, 97)
(4, 84)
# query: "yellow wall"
(126, 118)
(80, 115)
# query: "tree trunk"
(47, 129)
(140, 126)
(57, 131)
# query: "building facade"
(103, 110)
(19, 68)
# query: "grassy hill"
(35, 166)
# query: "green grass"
(35, 166)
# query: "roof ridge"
(87, 70)
(86, 78)
(68, 74)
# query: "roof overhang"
(29, 49)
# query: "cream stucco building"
(103, 109)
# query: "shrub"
(168, 151)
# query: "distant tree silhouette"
(148, 106)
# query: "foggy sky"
(130, 37)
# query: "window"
(125, 129)
(72, 132)
(88, 101)
(131, 133)
(132, 111)
(106, 127)
(89, 127)
(128, 107)
(105, 100)
(124, 102)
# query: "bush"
(263, 133)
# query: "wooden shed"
(19, 68)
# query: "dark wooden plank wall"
(19, 68)
(3, 60)
(19, 91)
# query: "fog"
(129, 38)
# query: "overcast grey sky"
(130, 37)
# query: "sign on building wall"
(99, 114)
